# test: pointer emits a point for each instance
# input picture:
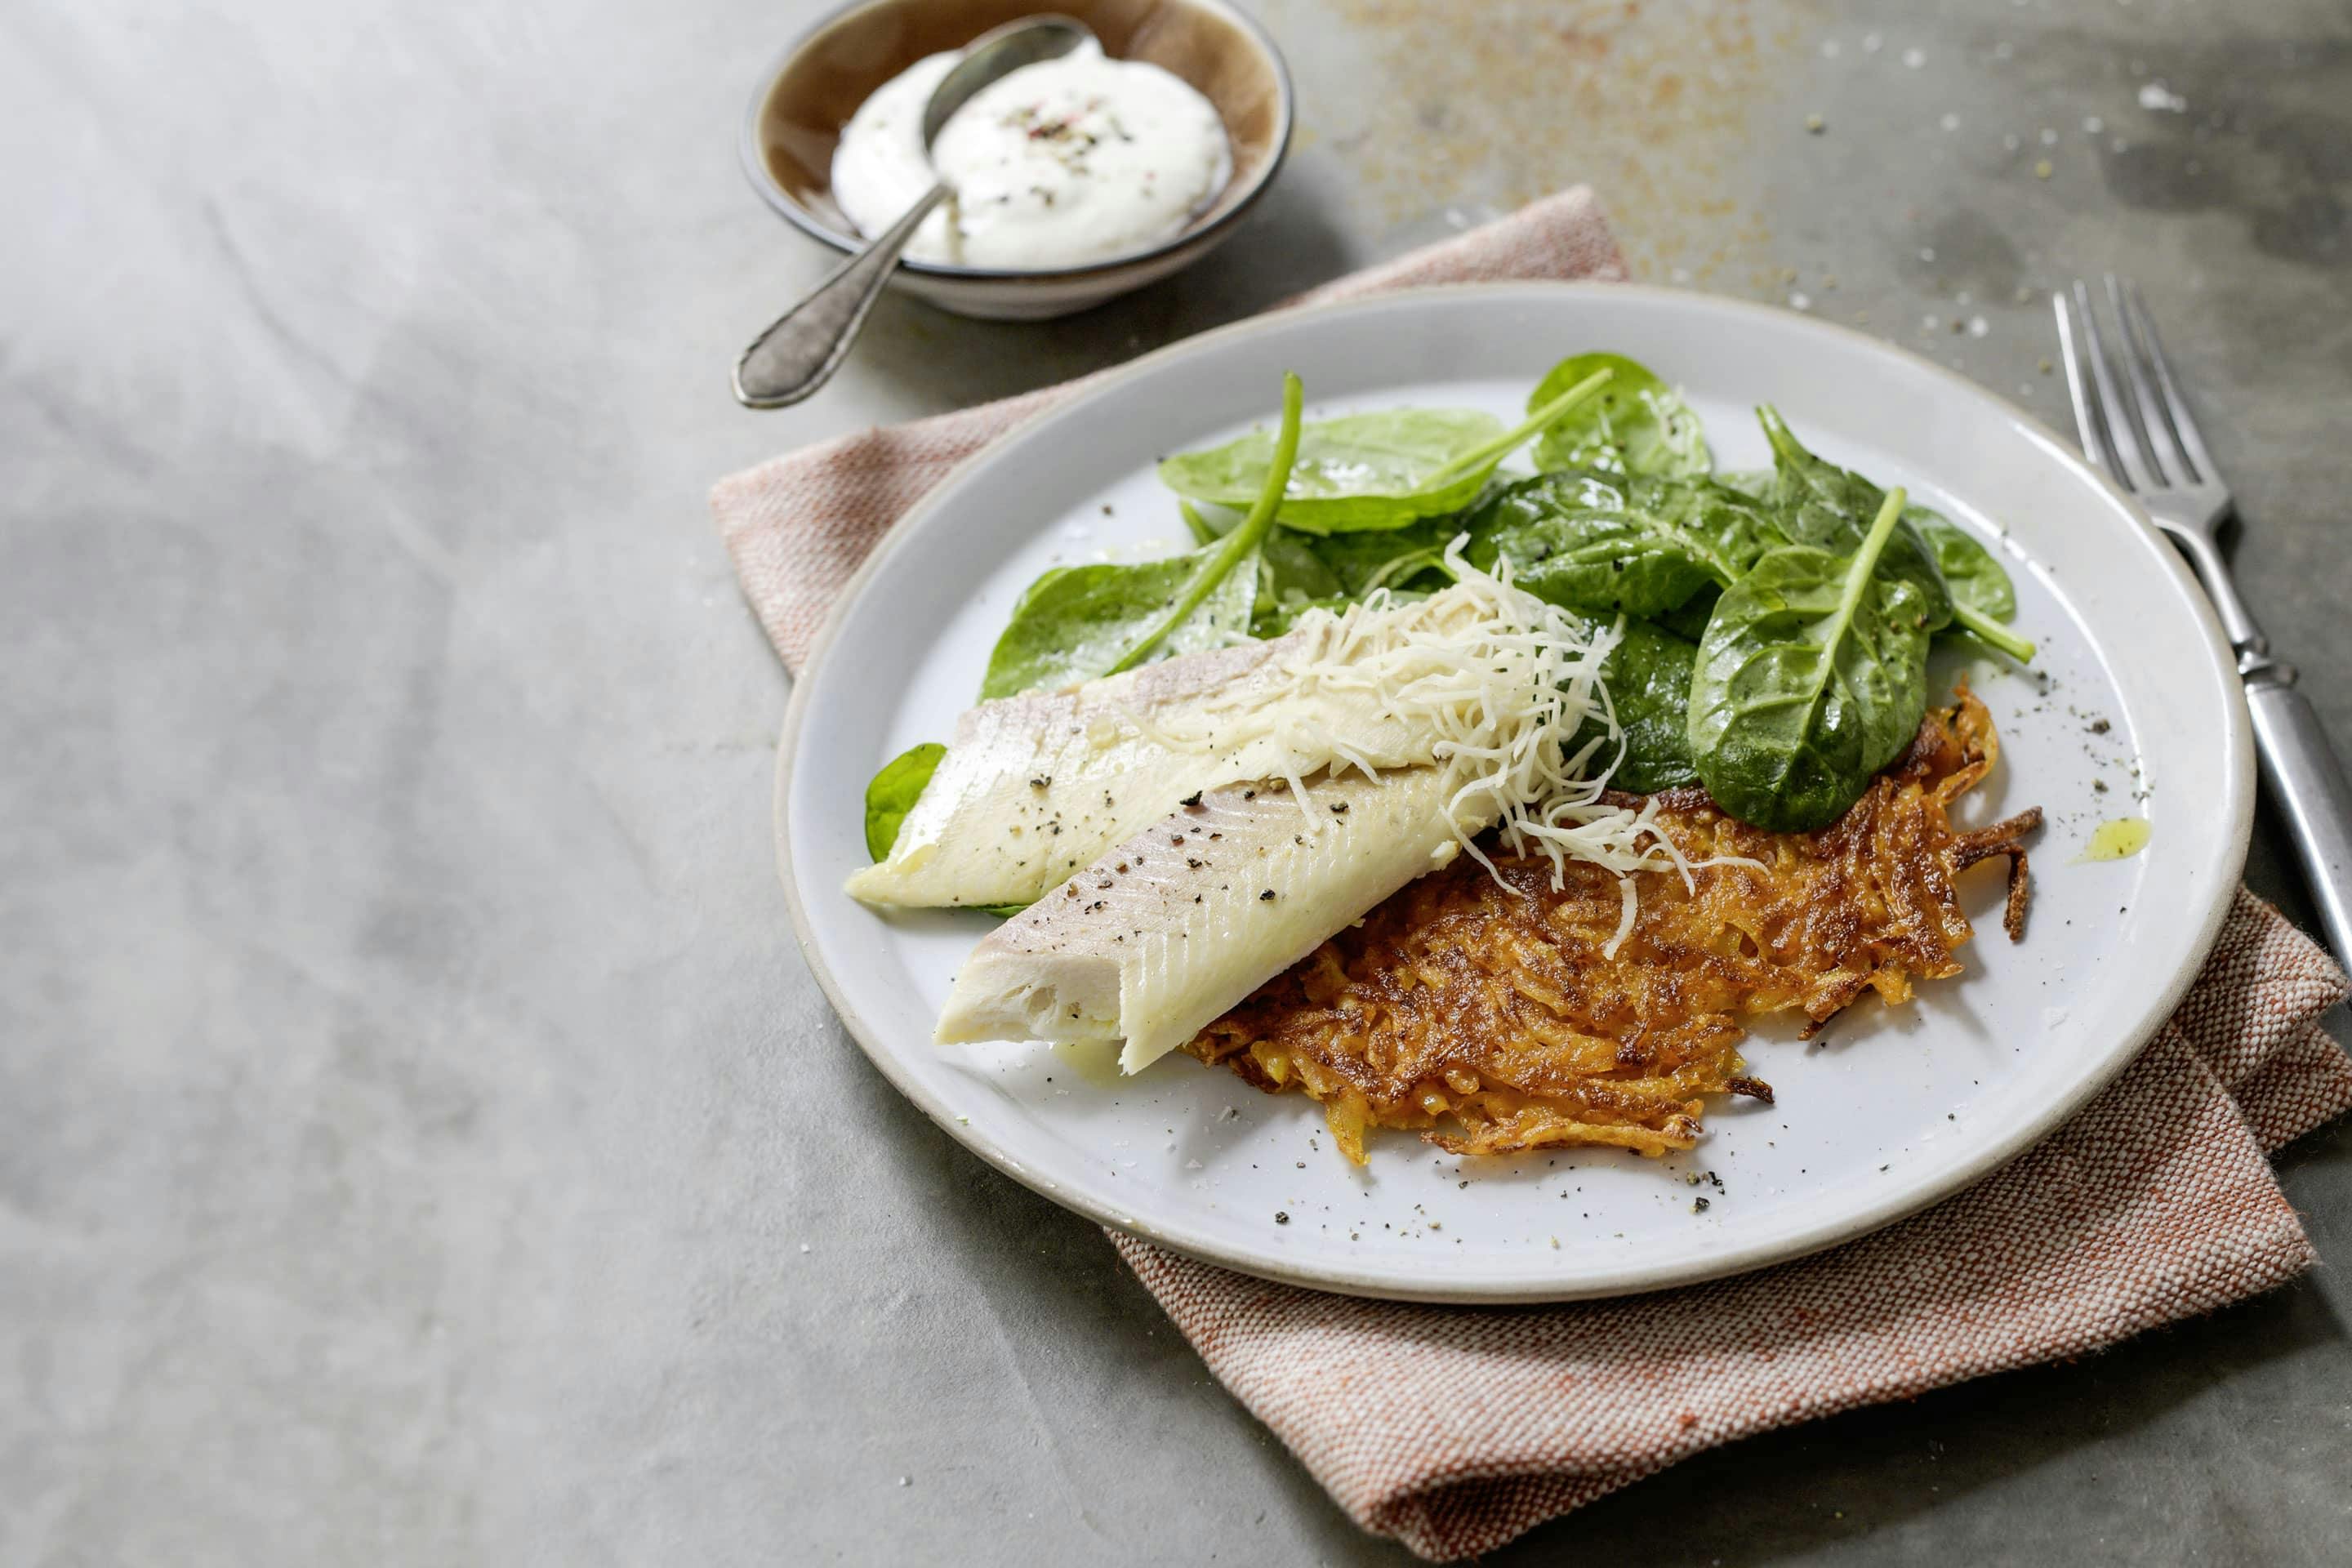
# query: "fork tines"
(2146, 441)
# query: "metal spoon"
(808, 342)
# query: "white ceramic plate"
(2133, 689)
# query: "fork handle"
(2308, 784)
(2246, 638)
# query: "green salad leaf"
(1302, 572)
(1074, 623)
(1602, 544)
(1273, 623)
(1361, 471)
(1689, 623)
(1291, 574)
(1368, 471)
(1648, 675)
(1813, 676)
(1977, 580)
(1824, 505)
(1636, 424)
(894, 791)
(1305, 570)
(1390, 559)
(1831, 509)
(1970, 570)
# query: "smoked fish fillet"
(1035, 787)
(1167, 931)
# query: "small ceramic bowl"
(803, 104)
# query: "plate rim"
(1996, 1155)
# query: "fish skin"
(1157, 938)
(987, 832)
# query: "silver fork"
(2148, 443)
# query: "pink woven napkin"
(1454, 1429)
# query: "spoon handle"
(807, 344)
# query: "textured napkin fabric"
(1454, 1429)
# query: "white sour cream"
(1060, 163)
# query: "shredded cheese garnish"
(1505, 682)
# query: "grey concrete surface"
(419, 1142)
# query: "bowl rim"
(755, 165)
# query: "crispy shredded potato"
(1489, 1017)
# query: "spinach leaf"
(1637, 425)
(1813, 676)
(1289, 566)
(1602, 544)
(1277, 616)
(1074, 623)
(1983, 599)
(895, 791)
(1291, 576)
(1339, 570)
(1361, 471)
(1292, 568)
(1369, 471)
(1648, 675)
(1828, 506)
(1289, 572)
(1280, 618)
(1831, 509)
(1970, 570)
(1977, 579)
(1689, 623)
(1359, 563)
